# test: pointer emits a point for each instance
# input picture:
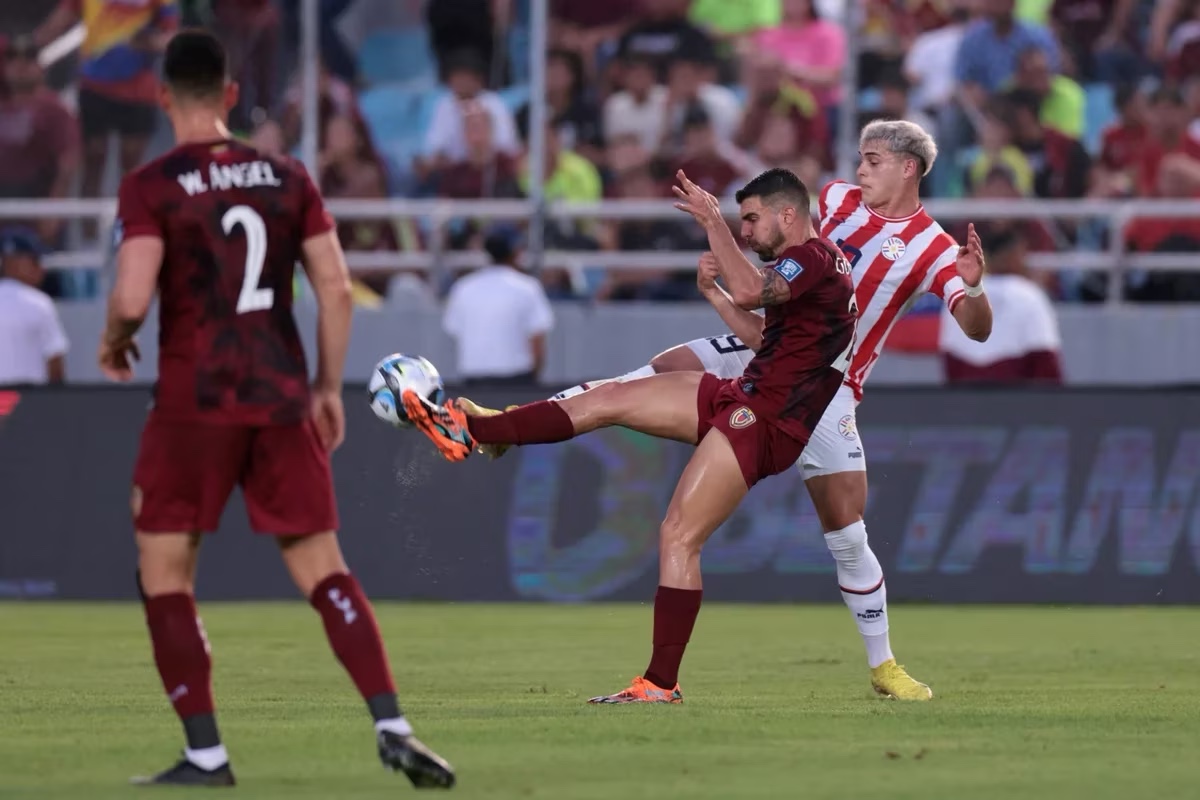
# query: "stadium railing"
(436, 214)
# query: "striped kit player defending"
(897, 253)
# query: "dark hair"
(501, 244)
(465, 59)
(1025, 100)
(195, 64)
(774, 185)
(1125, 93)
(574, 64)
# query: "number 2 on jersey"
(251, 297)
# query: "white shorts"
(834, 445)
(724, 356)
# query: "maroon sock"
(543, 422)
(180, 652)
(675, 612)
(353, 634)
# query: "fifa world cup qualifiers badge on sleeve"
(789, 269)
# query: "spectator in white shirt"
(499, 317)
(640, 108)
(446, 139)
(1025, 343)
(32, 341)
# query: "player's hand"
(970, 262)
(707, 273)
(705, 208)
(329, 416)
(116, 359)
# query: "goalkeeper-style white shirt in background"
(499, 317)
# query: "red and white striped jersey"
(895, 261)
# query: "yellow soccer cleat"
(890, 680)
(492, 451)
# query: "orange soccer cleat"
(446, 426)
(642, 691)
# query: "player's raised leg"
(660, 405)
(289, 492)
(709, 490)
(723, 356)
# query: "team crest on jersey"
(741, 418)
(893, 248)
(847, 428)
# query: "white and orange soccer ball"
(395, 374)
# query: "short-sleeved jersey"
(894, 261)
(233, 222)
(807, 341)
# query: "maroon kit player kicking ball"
(216, 228)
(745, 429)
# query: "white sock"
(641, 372)
(207, 758)
(397, 725)
(861, 580)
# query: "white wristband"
(973, 291)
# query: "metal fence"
(1115, 215)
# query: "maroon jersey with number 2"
(232, 404)
(233, 222)
(769, 413)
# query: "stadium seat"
(1100, 112)
(869, 99)
(398, 116)
(398, 56)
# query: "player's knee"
(674, 536)
(849, 544)
(312, 559)
(166, 563)
(605, 401)
(677, 359)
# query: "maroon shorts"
(186, 471)
(762, 449)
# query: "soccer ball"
(395, 374)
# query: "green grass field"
(1030, 703)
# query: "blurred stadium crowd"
(1027, 98)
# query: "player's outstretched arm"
(973, 313)
(325, 264)
(746, 325)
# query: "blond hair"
(902, 137)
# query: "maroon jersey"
(232, 221)
(806, 341)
